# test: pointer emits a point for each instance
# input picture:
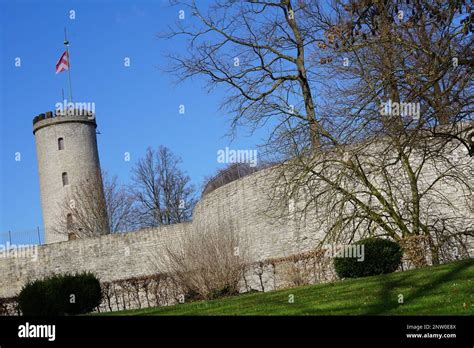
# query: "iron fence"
(22, 237)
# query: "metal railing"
(22, 237)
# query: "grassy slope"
(442, 290)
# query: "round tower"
(68, 164)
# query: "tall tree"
(258, 51)
(377, 169)
(162, 190)
(399, 132)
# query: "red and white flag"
(63, 63)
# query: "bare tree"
(379, 51)
(88, 211)
(258, 51)
(392, 126)
(162, 190)
(399, 132)
(84, 210)
(121, 205)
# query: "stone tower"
(66, 148)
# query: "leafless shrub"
(107, 293)
(207, 262)
(296, 273)
(305, 268)
(259, 269)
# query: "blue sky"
(136, 106)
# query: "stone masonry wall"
(240, 206)
(110, 257)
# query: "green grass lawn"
(442, 290)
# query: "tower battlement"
(49, 118)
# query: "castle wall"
(244, 205)
(110, 257)
(237, 206)
(240, 206)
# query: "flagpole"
(66, 43)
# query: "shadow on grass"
(388, 301)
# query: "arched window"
(60, 144)
(65, 179)
(69, 221)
